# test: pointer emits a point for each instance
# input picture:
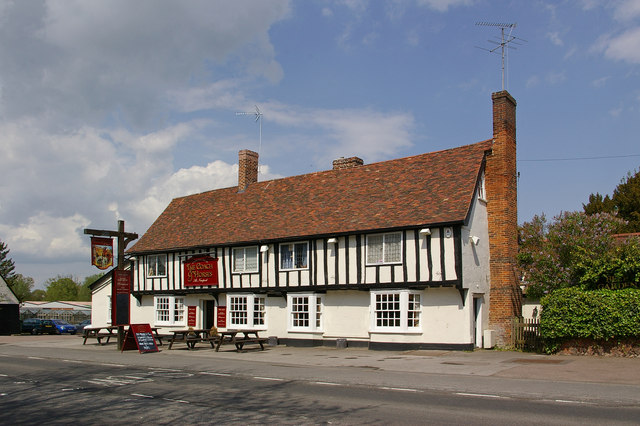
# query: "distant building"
(412, 253)
(70, 311)
(9, 309)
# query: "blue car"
(63, 327)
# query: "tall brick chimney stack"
(502, 207)
(247, 169)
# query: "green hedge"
(572, 313)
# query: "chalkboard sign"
(140, 336)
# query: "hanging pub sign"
(102, 252)
(200, 270)
(120, 303)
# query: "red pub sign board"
(200, 270)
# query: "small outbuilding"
(9, 309)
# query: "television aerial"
(506, 41)
(257, 114)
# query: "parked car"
(32, 325)
(47, 326)
(80, 327)
(62, 326)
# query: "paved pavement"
(480, 363)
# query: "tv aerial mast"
(506, 41)
(257, 114)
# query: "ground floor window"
(169, 310)
(305, 312)
(246, 310)
(398, 310)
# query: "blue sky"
(109, 110)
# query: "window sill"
(395, 331)
(298, 330)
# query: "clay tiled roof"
(424, 189)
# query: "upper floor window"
(305, 312)
(157, 265)
(246, 311)
(384, 248)
(396, 310)
(294, 256)
(245, 259)
(169, 310)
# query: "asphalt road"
(38, 390)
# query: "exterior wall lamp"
(332, 241)
(264, 248)
(425, 231)
(474, 240)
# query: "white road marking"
(275, 379)
(400, 389)
(34, 357)
(482, 395)
(72, 360)
(142, 396)
(112, 365)
(208, 373)
(181, 401)
(327, 383)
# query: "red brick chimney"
(505, 300)
(247, 169)
(347, 163)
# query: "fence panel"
(525, 334)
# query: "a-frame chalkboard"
(140, 336)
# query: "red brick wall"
(502, 207)
(247, 168)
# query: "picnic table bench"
(240, 338)
(104, 334)
(192, 336)
(98, 334)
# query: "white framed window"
(384, 248)
(305, 312)
(245, 259)
(157, 265)
(396, 311)
(169, 310)
(294, 256)
(246, 311)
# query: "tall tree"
(61, 288)
(21, 286)
(6, 264)
(625, 202)
(84, 292)
(549, 253)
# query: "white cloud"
(623, 47)
(47, 237)
(555, 38)
(626, 10)
(444, 5)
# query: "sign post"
(120, 279)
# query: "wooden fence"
(525, 334)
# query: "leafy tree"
(61, 288)
(617, 269)
(38, 295)
(84, 292)
(21, 286)
(549, 253)
(6, 264)
(625, 201)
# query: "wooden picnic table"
(98, 333)
(239, 338)
(192, 336)
(107, 332)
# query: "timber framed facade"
(395, 254)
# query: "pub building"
(412, 253)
